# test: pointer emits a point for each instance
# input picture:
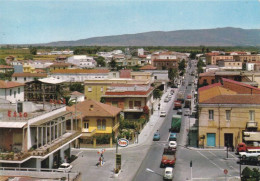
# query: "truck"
(167, 160)
(177, 104)
(242, 147)
(176, 123)
(180, 96)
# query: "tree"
(33, 50)
(2, 62)
(157, 93)
(113, 64)
(100, 61)
(172, 73)
(77, 87)
(181, 67)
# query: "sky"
(43, 21)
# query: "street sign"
(225, 171)
(123, 142)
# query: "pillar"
(42, 136)
(111, 141)
(50, 161)
(71, 123)
(50, 132)
(94, 142)
(37, 136)
(46, 134)
(38, 164)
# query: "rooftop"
(25, 74)
(81, 71)
(148, 67)
(76, 93)
(9, 84)
(234, 99)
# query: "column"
(71, 123)
(61, 128)
(42, 136)
(54, 130)
(37, 137)
(58, 129)
(38, 164)
(50, 132)
(50, 161)
(46, 134)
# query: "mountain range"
(208, 37)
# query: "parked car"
(187, 113)
(179, 111)
(166, 99)
(65, 167)
(168, 173)
(163, 114)
(173, 144)
(156, 136)
(173, 137)
(250, 153)
(250, 161)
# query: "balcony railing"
(133, 109)
(43, 150)
(90, 134)
(251, 124)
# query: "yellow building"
(94, 89)
(225, 113)
(97, 119)
(28, 68)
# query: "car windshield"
(64, 166)
(168, 172)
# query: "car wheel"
(244, 157)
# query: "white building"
(27, 77)
(140, 51)
(250, 66)
(11, 91)
(77, 96)
(82, 61)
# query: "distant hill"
(208, 37)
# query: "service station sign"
(123, 142)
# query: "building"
(82, 61)
(226, 110)
(27, 77)
(130, 98)
(6, 69)
(77, 97)
(97, 119)
(33, 137)
(230, 65)
(213, 58)
(79, 75)
(11, 91)
(60, 65)
(43, 90)
(247, 58)
(250, 66)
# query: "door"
(86, 126)
(211, 139)
(228, 137)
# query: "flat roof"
(50, 118)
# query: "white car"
(251, 153)
(166, 99)
(168, 173)
(65, 167)
(173, 144)
(163, 114)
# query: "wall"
(93, 124)
(95, 93)
(5, 94)
(237, 123)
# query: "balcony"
(41, 151)
(89, 134)
(116, 127)
(133, 109)
(251, 124)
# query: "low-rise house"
(225, 111)
(79, 75)
(27, 77)
(77, 97)
(33, 137)
(82, 61)
(130, 98)
(57, 66)
(230, 65)
(97, 119)
(6, 69)
(11, 91)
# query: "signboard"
(123, 142)
(225, 171)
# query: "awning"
(46, 120)
(12, 124)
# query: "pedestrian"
(100, 163)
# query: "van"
(168, 173)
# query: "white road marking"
(168, 137)
(213, 153)
(210, 161)
(79, 153)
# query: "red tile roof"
(148, 67)
(25, 74)
(209, 86)
(239, 83)
(91, 108)
(206, 74)
(125, 73)
(9, 84)
(165, 60)
(76, 93)
(234, 99)
(6, 67)
(80, 71)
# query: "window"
(101, 89)
(211, 114)
(155, 77)
(137, 104)
(252, 115)
(15, 78)
(228, 113)
(14, 94)
(10, 92)
(90, 89)
(18, 90)
(101, 125)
